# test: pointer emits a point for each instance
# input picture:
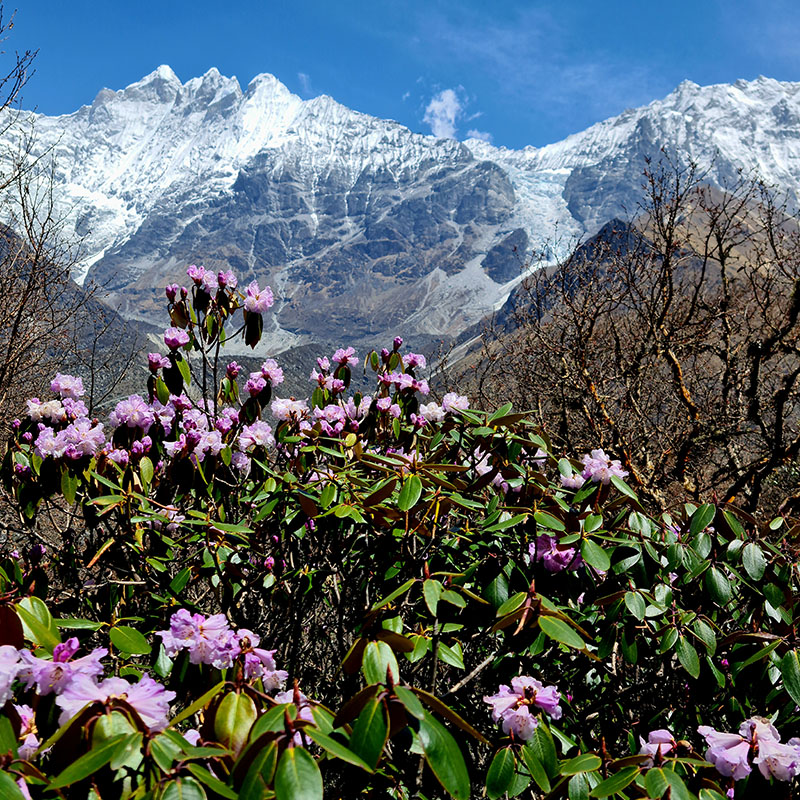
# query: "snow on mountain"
(359, 224)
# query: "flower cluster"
(512, 706)
(555, 557)
(757, 742)
(210, 640)
(599, 468)
(75, 682)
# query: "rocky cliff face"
(363, 228)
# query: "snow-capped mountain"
(362, 227)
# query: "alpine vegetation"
(220, 590)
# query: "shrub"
(371, 596)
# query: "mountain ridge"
(358, 221)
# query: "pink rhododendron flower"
(30, 741)
(67, 386)
(414, 360)
(345, 357)
(9, 666)
(175, 338)
(255, 384)
(432, 412)
(133, 412)
(512, 706)
(259, 663)
(155, 361)
(454, 403)
(289, 409)
(52, 410)
(208, 640)
(227, 279)
(196, 273)
(148, 698)
(53, 677)
(574, 481)
(81, 438)
(272, 372)
(554, 556)
(659, 743)
(599, 467)
(256, 300)
(259, 434)
(49, 444)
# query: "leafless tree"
(672, 341)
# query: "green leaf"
(454, 598)
(336, 748)
(162, 392)
(710, 794)
(77, 624)
(451, 655)
(410, 493)
(718, 586)
(432, 592)
(146, 471)
(183, 368)
(129, 640)
(586, 762)
(213, 783)
(394, 595)
(370, 732)
(87, 764)
(754, 561)
(545, 520)
(623, 488)
(444, 757)
(69, 485)
(233, 720)
(790, 672)
(702, 518)
(557, 629)
(706, 635)
(678, 790)
(615, 783)
(543, 746)
(259, 775)
(595, 556)
(635, 604)
(37, 623)
(687, 655)
(410, 701)
(378, 656)
(655, 782)
(501, 773)
(298, 776)
(183, 788)
(535, 767)
(201, 702)
(512, 604)
(8, 740)
(578, 787)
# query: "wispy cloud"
(305, 82)
(484, 136)
(530, 56)
(442, 113)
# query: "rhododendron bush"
(222, 591)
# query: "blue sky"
(517, 73)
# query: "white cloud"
(305, 82)
(406, 95)
(443, 112)
(484, 136)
